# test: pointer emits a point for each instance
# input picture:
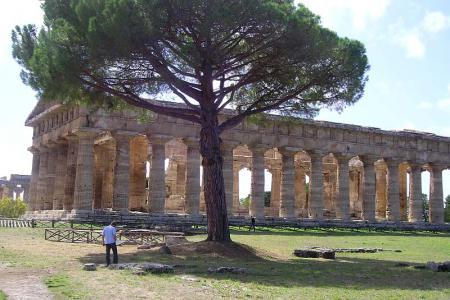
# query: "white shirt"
(109, 234)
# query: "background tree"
(12, 208)
(425, 208)
(253, 56)
(447, 208)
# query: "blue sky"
(407, 43)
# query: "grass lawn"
(273, 273)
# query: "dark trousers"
(108, 252)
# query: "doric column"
(287, 203)
(227, 148)
(393, 205)
(235, 188)
(436, 195)
(122, 171)
(51, 169)
(42, 180)
(275, 191)
(192, 191)
(108, 174)
(34, 178)
(60, 176)
(368, 212)
(138, 173)
(84, 180)
(157, 188)
(316, 186)
(71, 171)
(380, 191)
(415, 198)
(257, 187)
(343, 199)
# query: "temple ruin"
(17, 186)
(93, 160)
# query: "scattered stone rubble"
(90, 267)
(316, 253)
(233, 270)
(438, 267)
(141, 268)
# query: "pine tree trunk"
(213, 186)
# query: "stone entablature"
(96, 160)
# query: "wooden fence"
(133, 236)
(6, 222)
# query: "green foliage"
(425, 208)
(267, 198)
(12, 208)
(3, 295)
(266, 55)
(447, 208)
(245, 202)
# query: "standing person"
(252, 226)
(109, 240)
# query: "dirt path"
(22, 284)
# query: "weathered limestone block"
(71, 171)
(316, 186)
(369, 189)
(343, 199)
(257, 189)
(34, 179)
(227, 148)
(287, 203)
(315, 253)
(192, 194)
(381, 190)
(415, 198)
(51, 169)
(60, 176)
(393, 206)
(42, 179)
(138, 177)
(121, 192)
(84, 180)
(157, 191)
(109, 163)
(436, 195)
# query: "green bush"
(447, 209)
(12, 208)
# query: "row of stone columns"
(63, 176)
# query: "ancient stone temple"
(93, 160)
(18, 186)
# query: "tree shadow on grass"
(347, 272)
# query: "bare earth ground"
(23, 283)
(32, 268)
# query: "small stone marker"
(90, 267)
(438, 267)
(165, 250)
(232, 270)
(315, 253)
(175, 240)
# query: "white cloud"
(425, 105)
(436, 21)
(360, 12)
(448, 87)
(414, 46)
